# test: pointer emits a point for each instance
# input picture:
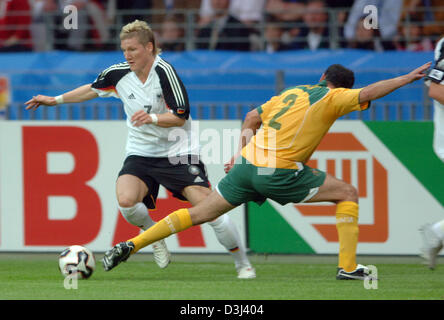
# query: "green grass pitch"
(212, 277)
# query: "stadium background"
(386, 151)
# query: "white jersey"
(162, 92)
(436, 75)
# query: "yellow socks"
(175, 222)
(348, 231)
(346, 225)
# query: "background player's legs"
(433, 235)
(346, 198)
(225, 230)
(432, 242)
(130, 192)
(438, 146)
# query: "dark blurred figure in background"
(366, 38)
(223, 32)
(121, 12)
(93, 29)
(286, 10)
(289, 16)
(42, 10)
(432, 12)
(15, 22)
(412, 36)
(273, 35)
(171, 34)
(337, 19)
(315, 32)
(249, 12)
(341, 7)
(140, 5)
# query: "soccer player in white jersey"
(433, 234)
(155, 102)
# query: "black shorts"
(189, 171)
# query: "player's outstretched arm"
(382, 88)
(250, 125)
(79, 94)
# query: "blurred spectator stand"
(171, 34)
(224, 31)
(15, 22)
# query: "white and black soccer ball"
(77, 262)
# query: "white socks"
(226, 233)
(438, 228)
(138, 216)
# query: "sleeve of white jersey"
(174, 92)
(106, 82)
(436, 74)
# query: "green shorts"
(246, 182)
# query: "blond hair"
(142, 31)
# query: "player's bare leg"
(226, 233)
(130, 192)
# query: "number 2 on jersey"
(290, 100)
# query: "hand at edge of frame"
(419, 73)
(40, 100)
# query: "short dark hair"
(339, 76)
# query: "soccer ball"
(77, 262)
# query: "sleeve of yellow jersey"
(264, 110)
(345, 101)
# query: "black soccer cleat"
(360, 273)
(119, 253)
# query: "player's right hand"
(40, 100)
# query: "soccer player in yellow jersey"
(277, 139)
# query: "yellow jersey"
(294, 123)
